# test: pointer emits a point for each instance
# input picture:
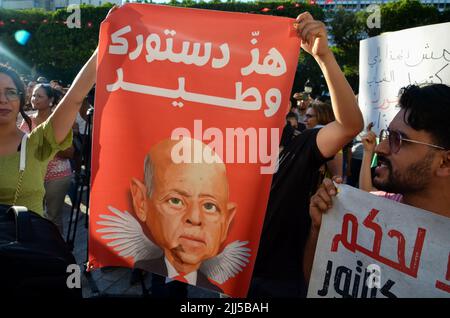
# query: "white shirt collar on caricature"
(172, 272)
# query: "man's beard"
(414, 179)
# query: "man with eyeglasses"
(413, 159)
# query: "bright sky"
(165, 1)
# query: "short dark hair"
(324, 99)
(50, 92)
(56, 81)
(291, 115)
(428, 108)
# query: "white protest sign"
(393, 60)
(372, 247)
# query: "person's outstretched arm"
(63, 117)
(369, 142)
(349, 121)
(335, 165)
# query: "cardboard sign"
(372, 247)
(394, 60)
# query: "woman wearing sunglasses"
(318, 115)
(22, 172)
(23, 184)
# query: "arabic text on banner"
(394, 60)
(224, 78)
(372, 247)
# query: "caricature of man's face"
(187, 209)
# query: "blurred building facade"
(353, 5)
(357, 5)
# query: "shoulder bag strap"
(22, 163)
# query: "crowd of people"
(46, 136)
(41, 98)
(322, 139)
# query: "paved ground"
(113, 281)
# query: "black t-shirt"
(287, 220)
(290, 133)
(287, 135)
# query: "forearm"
(348, 160)
(335, 165)
(365, 174)
(65, 113)
(349, 121)
(310, 250)
(343, 101)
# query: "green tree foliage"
(55, 51)
(405, 14)
(445, 16)
(347, 29)
(12, 21)
(284, 8)
(58, 52)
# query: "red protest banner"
(221, 79)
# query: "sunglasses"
(309, 116)
(395, 139)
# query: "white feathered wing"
(227, 264)
(126, 236)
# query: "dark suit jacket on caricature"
(158, 266)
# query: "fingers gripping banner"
(371, 247)
(189, 106)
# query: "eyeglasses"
(12, 95)
(308, 116)
(396, 139)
